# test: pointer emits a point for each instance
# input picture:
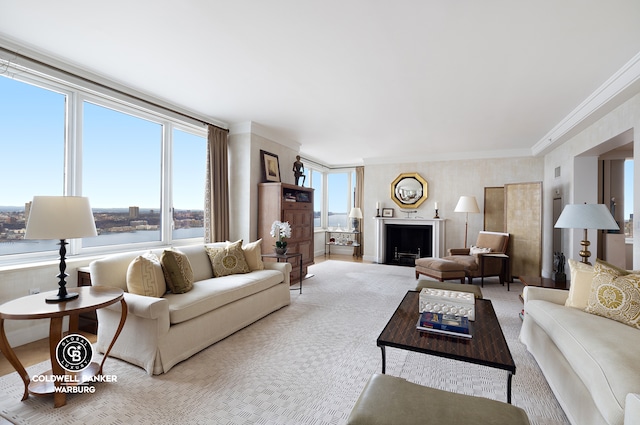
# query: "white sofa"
(160, 332)
(590, 362)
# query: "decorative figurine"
(560, 278)
(298, 171)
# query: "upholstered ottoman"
(449, 286)
(439, 268)
(388, 400)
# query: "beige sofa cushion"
(253, 255)
(615, 294)
(581, 278)
(210, 294)
(177, 271)
(145, 276)
(592, 346)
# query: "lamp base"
(62, 298)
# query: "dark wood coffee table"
(487, 347)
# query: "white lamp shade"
(467, 204)
(586, 216)
(355, 213)
(60, 217)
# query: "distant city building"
(134, 212)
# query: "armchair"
(469, 257)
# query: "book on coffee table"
(447, 324)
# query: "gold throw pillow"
(229, 260)
(177, 271)
(615, 294)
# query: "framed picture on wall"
(387, 212)
(270, 166)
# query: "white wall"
(447, 181)
(578, 182)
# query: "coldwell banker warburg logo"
(74, 354)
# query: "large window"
(32, 138)
(189, 173)
(333, 197)
(317, 184)
(142, 170)
(338, 200)
(628, 198)
(121, 158)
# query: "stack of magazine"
(448, 324)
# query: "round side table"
(35, 307)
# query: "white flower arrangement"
(281, 230)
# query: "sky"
(121, 162)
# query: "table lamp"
(586, 216)
(355, 215)
(60, 217)
(467, 204)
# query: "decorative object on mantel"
(281, 230)
(408, 213)
(298, 171)
(467, 204)
(409, 190)
(387, 212)
(586, 216)
(378, 209)
(355, 215)
(436, 208)
(60, 217)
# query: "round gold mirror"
(409, 190)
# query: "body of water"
(109, 239)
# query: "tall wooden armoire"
(287, 202)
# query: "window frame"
(75, 96)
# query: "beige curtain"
(359, 202)
(216, 209)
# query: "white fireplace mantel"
(381, 233)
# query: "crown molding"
(450, 156)
(615, 87)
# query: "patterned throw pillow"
(478, 250)
(615, 294)
(229, 260)
(177, 271)
(580, 289)
(145, 277)
(253, 255)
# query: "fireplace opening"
(405, 243)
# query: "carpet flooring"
(304, 364)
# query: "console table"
(35, 307)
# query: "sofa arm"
(285, 268)
(632, 409)
(458, 251)
(556, 296)
(143, 306)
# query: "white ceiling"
(351, 80)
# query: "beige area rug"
(304, 364)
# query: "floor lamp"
(586, 216)
(60, 217)
(467, 204)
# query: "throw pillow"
(474, 250)
(145, 277)
(228, 260)
(581, 278)
(253, 255)
(615, 294)
(177, 271)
